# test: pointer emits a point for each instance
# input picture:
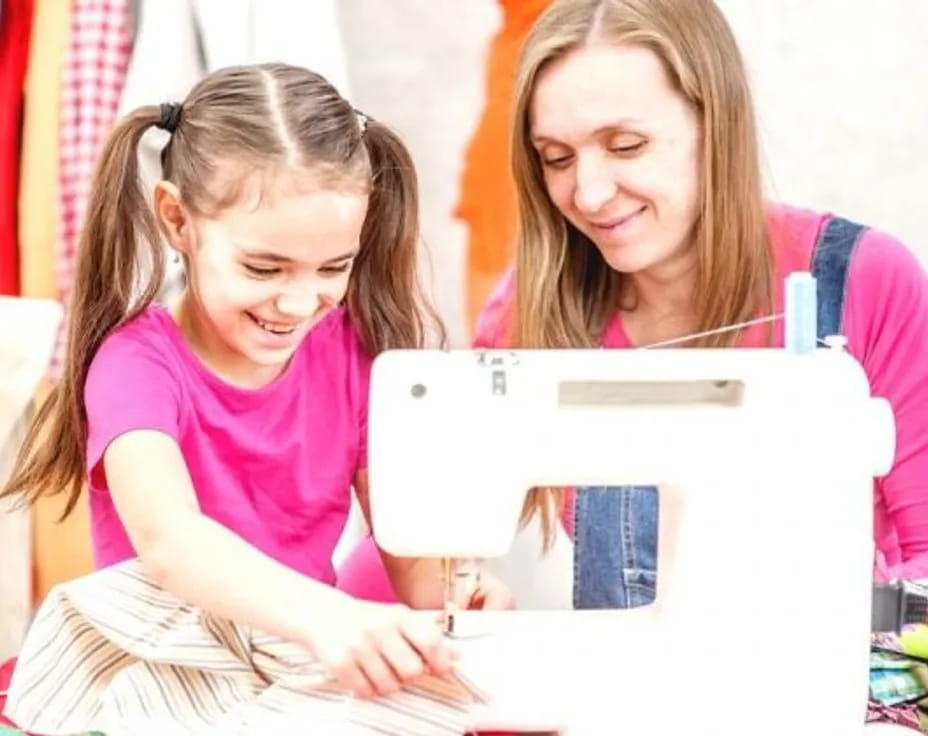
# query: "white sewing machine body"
(765, 463)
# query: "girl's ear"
(173, 218)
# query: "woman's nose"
(595, 184)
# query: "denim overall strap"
(831, 261)
(615, 528)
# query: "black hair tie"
(170, 116)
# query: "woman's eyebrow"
(624, 123)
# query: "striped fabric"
(113, 652)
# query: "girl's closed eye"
(336, 269)
(263, 273)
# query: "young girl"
(220, 436)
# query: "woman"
(642, 221)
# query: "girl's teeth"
(276, 331)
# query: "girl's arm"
(369, 647)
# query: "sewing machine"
(764, 460)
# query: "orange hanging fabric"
(487, 203)
(38, 178)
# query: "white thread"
(716, 331)
(719, 330)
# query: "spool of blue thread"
(801, 314)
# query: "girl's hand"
(373, 649)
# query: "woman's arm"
(886, 322)
(417, 581)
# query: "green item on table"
(915, 641)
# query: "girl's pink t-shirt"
(274, 465)
(886, 326)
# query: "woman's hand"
(490, 594)
(373, 649)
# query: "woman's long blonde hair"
(565, 291)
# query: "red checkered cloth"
(93, 77)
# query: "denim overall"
(615, 527)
